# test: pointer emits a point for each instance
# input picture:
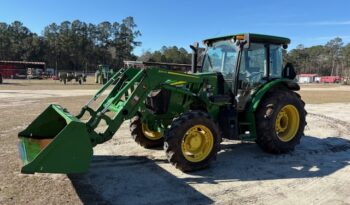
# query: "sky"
(182, 22)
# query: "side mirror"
(289, 71)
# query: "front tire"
(192, 141)
(280, 121)
(144, 136)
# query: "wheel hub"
(197, 143)
(287, 123)
(282, 121)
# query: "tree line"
(333, 58)
(72, 45)
(79, 45)
(170, 54)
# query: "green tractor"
(241, 92)
(103, 74)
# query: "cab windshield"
(221, 57)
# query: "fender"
(258, 96)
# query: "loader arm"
(129, 92)
(58, 142)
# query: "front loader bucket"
(55, 142)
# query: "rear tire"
(139, 136)
(280, 121)
(182, 147)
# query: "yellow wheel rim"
(197, 143)
(287, 123)
(150, 134)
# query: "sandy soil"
(48, 84)
(325, 87)
(124, 173)
(37, 94)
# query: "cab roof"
(253, 37)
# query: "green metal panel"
(62, 147)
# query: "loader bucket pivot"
(55, 142)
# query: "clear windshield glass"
(221, 57)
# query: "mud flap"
(55, 142)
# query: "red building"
(330, 79)
(15, 69)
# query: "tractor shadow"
(12, 83)
(139, 180)
(313, 157)
(133, 180)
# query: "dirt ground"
(121, 172)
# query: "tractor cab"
(246, 61)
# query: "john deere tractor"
(240, 92)
(103, 74)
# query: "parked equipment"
(35, 73)
(103, 74)
(69, 76)
(241, 92)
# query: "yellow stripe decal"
(180, 74)
(178, 83)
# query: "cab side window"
(253, 64)
(276, 61)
